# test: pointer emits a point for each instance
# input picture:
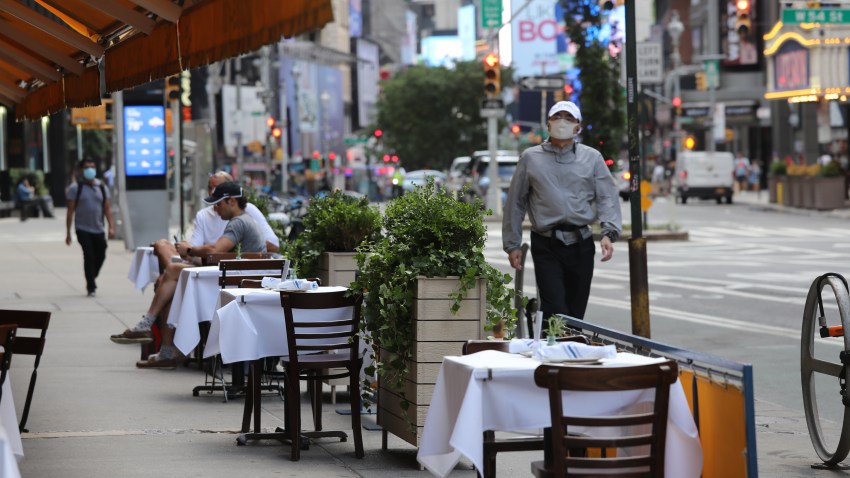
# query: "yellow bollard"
(779, 193)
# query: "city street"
(736, 289)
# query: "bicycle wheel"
(809, 365)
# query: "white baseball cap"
(567, 106)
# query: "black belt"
(568, 227)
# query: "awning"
(56, 54)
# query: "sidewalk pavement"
(95, 415)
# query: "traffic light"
(701, 81)
(172, 88)
(515, 130)
(492, 75)
(677, 103)
(743, 18)
(690, 142)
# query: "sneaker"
(90, 294)
(131, 337)
(154, 361)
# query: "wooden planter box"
(438, 333)
(807, 193)
(337, 268)
(828, 193)
(771, 189)
(793, 196)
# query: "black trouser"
(94, 253)
(563, 275)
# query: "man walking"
(564, 186)
(88, 203)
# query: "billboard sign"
(144, 140)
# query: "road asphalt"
(94, 414)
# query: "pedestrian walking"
(755, 177)
(742, 171)
(564, 186)
(88, 203)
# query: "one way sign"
(541, 83)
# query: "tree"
(603, 112)
(431, 115)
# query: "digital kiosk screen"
(144, 140)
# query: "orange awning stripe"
(70, 91)
(209, 32)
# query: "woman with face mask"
(88, 203)
(564, 186)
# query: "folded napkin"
(291, 284)
(573, 350)
(518, 346)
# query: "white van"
(704, 175)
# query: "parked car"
(454, 181)
(476, 174)
(420, 177)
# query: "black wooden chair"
(7, 340)
(25, 345)
(239, 270)
(634, 437)
(492, 446)
(320, 350)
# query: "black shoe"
(90, 294)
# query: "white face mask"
(562, 129)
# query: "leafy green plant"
(778, 168)
(557, 325)
(830, 170)
(426, 233)
(336, 222)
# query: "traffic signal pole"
(638, 279)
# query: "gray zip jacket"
(561, 187)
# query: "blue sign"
(144, 140)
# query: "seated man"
(241, 229)
(209, 226)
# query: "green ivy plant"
(426, 233)
(336, 222)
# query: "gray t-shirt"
(242, 229)
(88, 214)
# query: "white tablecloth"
(144, 269)
(194, 302)
(11, 436)
(249, 324)
(464, 405)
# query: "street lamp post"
(675, 28)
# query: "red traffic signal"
(332, 156)
(515, 129)
(378, 133)
(677, 102)
(386, 158)
(316, 155)
(609, 162)
(492, 75)
(394, 158)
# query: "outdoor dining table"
(249, 324)
(493, 390)
(194, 302)
(144, 269)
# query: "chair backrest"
(28, 319)
(649, 454)
(7, 340)
(214, 259)
(331, 331)
(473, 346)
(253, 269)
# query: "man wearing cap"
(229, 203)
(564, 186)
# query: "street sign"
(816, 15)
(650, 65)
(491, 13)
(712, 74)
(351, 140)
(541, 83)
(492, 104)
(492, 113)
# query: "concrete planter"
(794, 195)
(438, 333)
(337, 268)
(807, 193)
(828, 193)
